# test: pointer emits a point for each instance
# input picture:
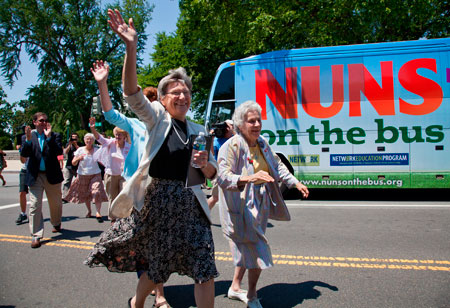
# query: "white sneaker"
(240, 296)
(254, 303)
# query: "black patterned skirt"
(170, 234)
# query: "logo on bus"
(360, 80)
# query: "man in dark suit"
(42, 147)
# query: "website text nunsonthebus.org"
(357, 181)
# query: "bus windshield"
(224, 100)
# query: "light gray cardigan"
(158, 124)
(236, 217)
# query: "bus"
(356, 116)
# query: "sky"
(164, 18)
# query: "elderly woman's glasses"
(178, 93)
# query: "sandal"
(99, 218)
(240, 295)
(163, 304)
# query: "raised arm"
(93, 130)
(100, 71)
(128, 35)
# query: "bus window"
(225, 85)
(221, 111)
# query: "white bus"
(356, 116)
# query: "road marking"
(4, 207)
(292, 260)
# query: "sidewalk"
(14, 166)
(13, 162)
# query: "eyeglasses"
(43, 120)
(178, 94)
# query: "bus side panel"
(377, 119)
(428, 163)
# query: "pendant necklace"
(253, 155)
(175, 129)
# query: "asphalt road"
(332, 254)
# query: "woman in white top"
(112, 155)
(88, 185)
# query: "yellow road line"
(314, 261)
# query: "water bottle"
(198, 145)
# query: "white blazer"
(158, 124)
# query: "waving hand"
(126, 32)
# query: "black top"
(172, 160)
(19, 139)
(70, 157)
(2, 159)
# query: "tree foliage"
(6, 113)
(213, 32)
(64, 38)
(168, 54)
(12, 117)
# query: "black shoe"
(21, 219)
(64, 201)
(56, 228)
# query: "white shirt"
(88, 165)
(112, 156)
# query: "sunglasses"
(43, 120)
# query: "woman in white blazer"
(167, 226)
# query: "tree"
(168, 54)
(6, 113)
(213, 32)
(64, 38)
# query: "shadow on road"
(73, 235)
(281, 295)
(183, 296)
(286, 295)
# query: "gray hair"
(177, 75)
(89, 135)
(241, 112)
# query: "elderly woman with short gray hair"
(249, 172)
(166, 226)
(87, 186)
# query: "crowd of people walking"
(159, 226)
